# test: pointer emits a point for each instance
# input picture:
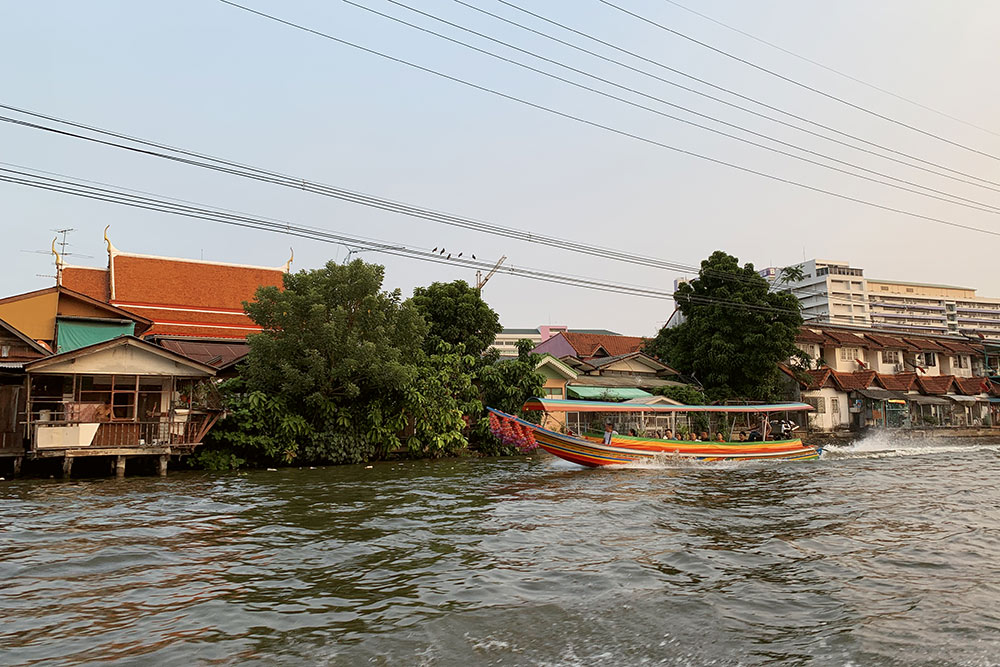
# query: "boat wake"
(884, 444)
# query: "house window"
(929, 359)
(818, 402)
(553, 392)
(848, 353)
(890, 357)
(961, 362)
(835, 405)
(885, 288)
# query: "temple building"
(184, 298)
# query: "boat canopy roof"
(559, 405)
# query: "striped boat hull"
(593, 454)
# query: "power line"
(80, 188)
(795, 82)
(832, 69)
(969, 179)
(256, 173)
(609, 128)
(944, 196)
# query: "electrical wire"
(79, 188)
(193, 158)
(955, 174)
(796, 82)
(832, 69)
(609, 128)
(939, 196)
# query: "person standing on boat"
(609, 432)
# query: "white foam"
(884, 443)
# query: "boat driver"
(609, 430)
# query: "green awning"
(74, 334)
(606, 393)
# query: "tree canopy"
(456, 314)
(735, 330)
(344, 371)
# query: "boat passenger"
(755, 436)
(704, 436)
(632, 432)
(719, 437)
(742, 436)
(669, 435)
(609, 431)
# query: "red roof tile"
(897, 382)
(972, 386)
(883, 341)
(846, 338)
(92, 282)
(819, 378)
(924, 345)
(853, 381)
(587, 345)
(935, 384)
(809, 336)
(957, 347)
(175, 282)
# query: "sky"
(212, 78)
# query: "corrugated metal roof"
(213, 353)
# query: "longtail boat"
(592, 449)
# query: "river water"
(865, 557)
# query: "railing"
(179, 430)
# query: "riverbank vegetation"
(345, 372)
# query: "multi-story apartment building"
(830, 291)
(837, 293)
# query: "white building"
(830, 291)
(837, 293)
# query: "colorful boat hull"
(623, 450)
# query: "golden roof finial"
(107, 240)
(59, 261)
(288, 264)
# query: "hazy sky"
(212, 78)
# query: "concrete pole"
(67, 466)
(18, 460)
(162, 467)
(119, 466)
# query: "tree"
(338, 374)
(735, 331)
(685, 394)
(456, 314)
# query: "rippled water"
(864, 557)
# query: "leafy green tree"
(507, 383)
(339, 375)
(735, 331)
(685, 394)
(456, 314)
